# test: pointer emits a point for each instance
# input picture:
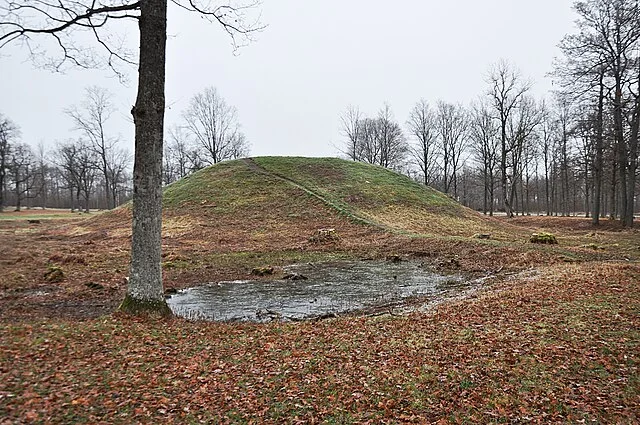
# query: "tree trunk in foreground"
(145, 291)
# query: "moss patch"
(54, 275)
(137, 307)
(543, 238)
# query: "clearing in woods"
(553, 337)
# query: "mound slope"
(379, 196)
(263, 202)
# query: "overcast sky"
(315, 58)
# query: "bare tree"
(422, 126)
(77, 163)
(598, 159)
(64, 156)
(602, 57)
(91, 119)
(240, 146)
(452, 125)
(565, 121)
(214, 126)
(582, 75)
(23, 20)
(118, 163)
(42, 173)
(175, 156)
(22, 166)
(9, 133)
(634, 134)
(506, 89)
(393, 144)
(181, 157)
(379, 140)
(483, 132)
(367, 148)
(522, 126)
(583, 130)
(351, 126)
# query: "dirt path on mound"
(352, 215)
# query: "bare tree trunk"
(73, 205)
(2, 182)
(631, 178)
(587, 191)
(612, 191)
(145, 291)
(491, 193)
(78, 202)
(513, 197)
(633, 162)
(528, 194)
(486, 188)
(503, 174)
(18, 195)
(492, 187)
(598, 159)
(547, 199)
(621, 150)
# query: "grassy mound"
(270, 211)
(379, 196)
(293, 190)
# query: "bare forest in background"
(92, 171)
(508, 152)
(575, 152)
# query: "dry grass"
(553, 340)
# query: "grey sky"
(315, 58)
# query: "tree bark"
(18, 195)
(612, 190)
(547, 200)
(598, 163)
(631, 172)
(491, 193)
(633, 161)
(145, 291)
(621, 149)
(486, 188)
(503, 171)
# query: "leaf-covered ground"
(553, 338)
(556, 346)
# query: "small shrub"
(169, 265)
(543, 238)
(262, 271)
(324, 235)
(54, 275)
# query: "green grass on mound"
(286, 189)
(381, 196)
(361, 185)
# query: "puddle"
(330, 288)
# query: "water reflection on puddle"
(329, 288)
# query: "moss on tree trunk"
(131, 305)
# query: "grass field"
(41, 214)
(552, 338)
